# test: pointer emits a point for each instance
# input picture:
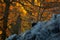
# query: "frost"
(49, 30)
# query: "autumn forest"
(17, 16)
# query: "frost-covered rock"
(49, 30)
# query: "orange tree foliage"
(28, 11)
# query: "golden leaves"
(25, 25)
(0, 31)
(8, 33)
(28, 13)
(37, 2)
(46, 16)
(11, 7)
(52, 0)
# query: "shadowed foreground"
(49, 30)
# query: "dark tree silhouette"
(6, 13)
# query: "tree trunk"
(6, 13)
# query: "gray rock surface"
(49, 30)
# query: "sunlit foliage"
(22, 13)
